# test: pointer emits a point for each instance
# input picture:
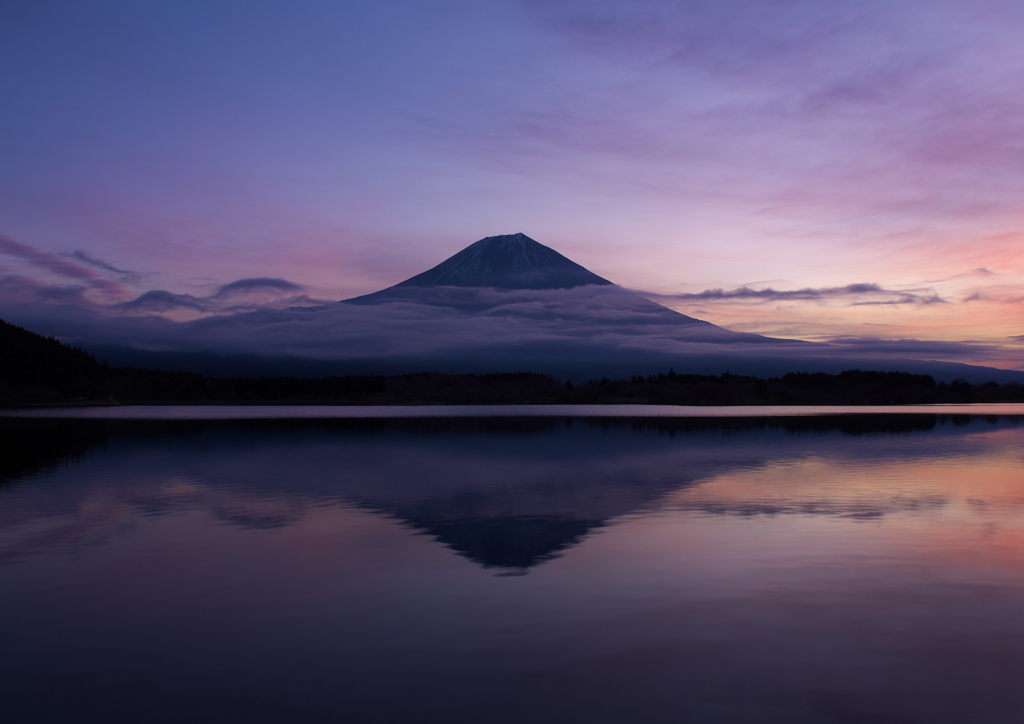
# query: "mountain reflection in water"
(506, 493)
(735, 555)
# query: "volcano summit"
(511, 261)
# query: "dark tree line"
(33, 367)
(853, 387)
(36, 369)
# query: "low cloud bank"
(572, 333)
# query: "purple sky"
(803, 168)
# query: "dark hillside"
(37, 368)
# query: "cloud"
(1017, 338)
(44, 260)
(87, 258)
(258, 283)
(22, 290)
(769, 294)
(161, 300)
(979, 272)
(905, 298)
(869, 509)
(995, 297)
(918, 347)
(238, 296)
(897, 115)
(60, 267)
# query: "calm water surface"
(823, 568)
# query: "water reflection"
(819, 570)
(506, 493)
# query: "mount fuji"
(533, 293)
(503, 304)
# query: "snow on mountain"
(510, 261)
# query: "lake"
(603, 564)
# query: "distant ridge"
(508, 261)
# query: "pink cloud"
(61, 267)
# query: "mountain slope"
(514, 277)
(41, 368)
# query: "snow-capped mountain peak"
(509, 261)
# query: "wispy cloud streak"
(239, 296)
(91, 260)
(768, 294)
(54, 264)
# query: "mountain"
(514, 276)
(503, 304)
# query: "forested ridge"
(41, 370)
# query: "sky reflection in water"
(721, 570)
